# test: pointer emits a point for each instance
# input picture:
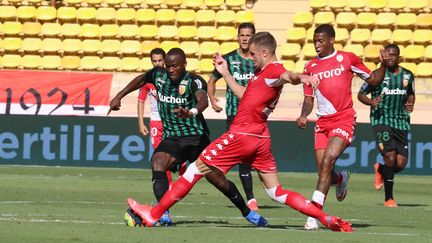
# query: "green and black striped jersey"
(394, 91)
(171, 96)
(242, 69)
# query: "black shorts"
(183, 148)
(391, 139)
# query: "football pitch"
(65, 204)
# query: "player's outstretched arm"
(141, 126)
(222, 67)
(364, 99)
(211, 90)
(377, 76)
(308, 103)
(135, 84)
(298, 78)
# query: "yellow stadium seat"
(308, 51)
(193, 4)
(206, 32)
(167, 32)
(386, 20)
(185, 16)
(424, 21)
(205, 17)
(148, 45)
(175, 4)
(206, 65)
(130, 47)
(208, 48)
(424, 69)
(51, 29)
(356, 5)
(31, 45)
(337, 5)
(70, 62)
(193, 65)
(11, 61)
(164, 16)
(226, 33)
(72, 2)
(94, 2)
(90, 63)
(130, 64)
(346, 19)
(381, 36)
(370, 65)
(215, 4)
(338, 46)
(342, 35)
(7, 12)
(147, 31)
(402, 36)
(168, 45)
(225, 17)
(360, 35)
(372, 52)
(245, 16)
(187, 32)
(146, 64)
(129, 31)
(113, 3)
(51, 45)
(89, 31)
(422, 36)
(355, 48)
(226, 47)
(235, 4)
(110, 47)
(125, 15)
(154, 3)
(12, 28)
(296, 34)
(134, 3)
(366, 20)
(26, 13)
(318, 5)
(31, 28)
(324, 18)
(428, 52)
(109, 31)
(414, 53)
(51, 62)
(46, 13)
(289, 65)
(110, 63)
(376, 5)
(70, 30)
(190, 47)
(146, 15)
(302, 19)
(406, 20)
(417, 5)
(66, 14)
(11, 44)
(396, 5)
(86, 14)
(91, 46)
(299, 66)
(104, 15)
(290, 50)
(410, 66)
(31, 61)
(401, 52)
(71, 46)
(310, 34)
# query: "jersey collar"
(329, 56)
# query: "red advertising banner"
(54, 93)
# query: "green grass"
(63, 204)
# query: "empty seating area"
(114, 35)
(363, 27)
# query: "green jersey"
(242, 69)
(171, 96)
(394, 91)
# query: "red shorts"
(230, 148)
(156, 132)
(341, 125)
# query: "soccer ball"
(131, 219)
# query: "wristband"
(194, 111)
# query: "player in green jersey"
(391, 104)
(241, 68)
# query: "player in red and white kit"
(336, 122)
(247, 140)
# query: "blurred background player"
(247, 140)
(241, 68)
(157, 57)
(336, 122)
(182, 97)
(391, 104)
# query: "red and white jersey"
(149, 89)
(258, 101)
(335, 73)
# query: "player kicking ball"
(247, 140)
